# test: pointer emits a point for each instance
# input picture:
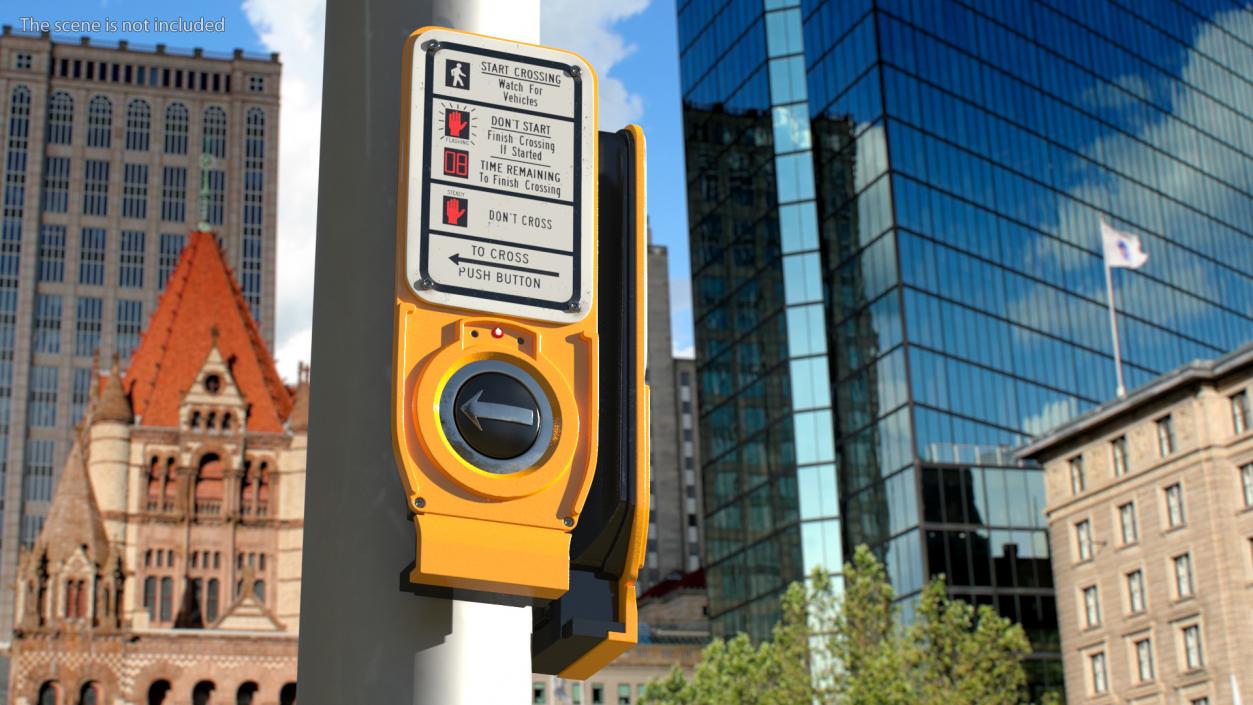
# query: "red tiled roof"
(201, 301)
(695, 580)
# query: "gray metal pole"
(362, 639)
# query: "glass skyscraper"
(897, 274)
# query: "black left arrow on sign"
(458, 259)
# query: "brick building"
(112, 153)
(169, 567)
(1150, 512)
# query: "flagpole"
(1113, 327)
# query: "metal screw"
(432, 46)
(568, 521)
(419, 502)
(573, 70)
(424, 283)
(572, 305)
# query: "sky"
(632, 44)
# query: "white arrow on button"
(474, 409)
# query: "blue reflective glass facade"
(897, 275)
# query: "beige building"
(113, 152)
(169, 568)
(1150, 510)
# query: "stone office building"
(169, 568)
(112, 153)
(1150, 511)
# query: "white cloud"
(295, 29)
(586, 28)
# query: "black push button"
(496, 415)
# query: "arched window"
(254, 494)
(226, 420)
(176, 129)
(158, 691)
(89, 694)
(214, 142)
(211, 601)
(75, 599)
(60, 118)
(156, 479)
(138, 125)
(246, 693)
(209, 485)
(170, 488)
(287, 696)
(99, 122)
(201, 694)
(50, 693)
(150, 597)
(167, 599)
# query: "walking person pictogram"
(457, 74)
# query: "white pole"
(363, 639)
(1113, 329)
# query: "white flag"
(1122, 249)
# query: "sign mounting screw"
(432, 46)
(419, 502)
(424, 283)
(572, 305)
(574, 71)
(568, 521)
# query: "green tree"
(849, 647)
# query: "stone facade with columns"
(168, 570)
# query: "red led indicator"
(498, 333)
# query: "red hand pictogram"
(453, 211)
(455, 125)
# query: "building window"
(171, 250)
(131, 267)
(1174, 505)
(95, 187)
(1144, 660)
(1193, 656)
(130, 320)
(89, 322)
(1118, 452)
(253, 215)
(598, 694)
(624, 694)
(1246, 484)
(1100, 679)
(1165, 436)
(1135, 591)
(1078, 478)
(1200, 701)
(1092, 606)
(138, 125)
(91, 256)
(539, 694)
(37, 480)
(43, 396)
(1130, 526)
(22, 61)
(1083, 536)
(176, 129)
(80, 393)
(1240, 412)
(215, 196)
(99, 122)
(135, 191)
(174, 194)
(47, 325)
(150, 593)
(51, 253)
(214, 142)
(256, 84)
(60, 118)
(1183, 576)
(576, 694)
(167, 599)
(56, 191)
(211, 598)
